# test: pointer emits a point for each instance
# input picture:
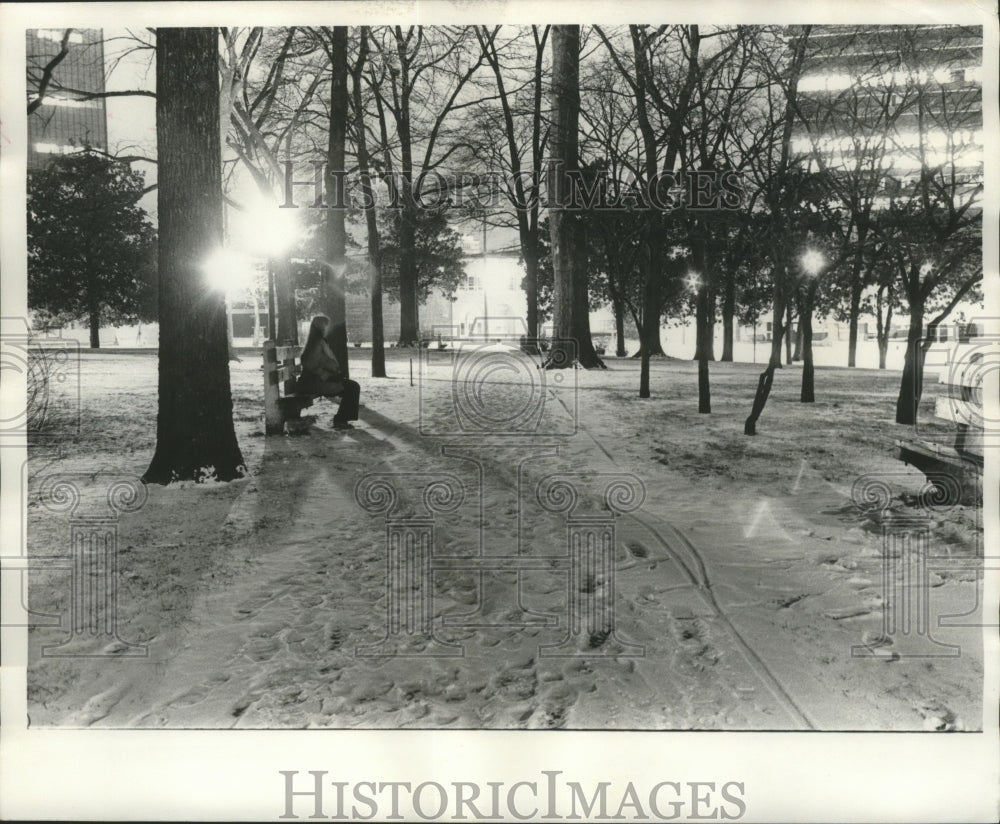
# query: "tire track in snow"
(699, 578)
(687, 557)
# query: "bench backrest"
(280, 365)
(280, 373)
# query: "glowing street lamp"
(271, 231)
(693, 281)
(812, 262)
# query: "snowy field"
(744, 588)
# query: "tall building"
(894, 102)
(65, 121)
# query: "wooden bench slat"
(937, 451)
(282, 374)
(281, 401)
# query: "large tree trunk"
(766, 378)
(409, 323)
(375, 264)
(704, 350)
(570, 312)
(788, 337)
(95, 328)
(855, 311)
(336, 230)
(910, 387)
(650, 344)
(808, 394)
(194, 430)
(703, 327)
(371, 220)
(704, 346)
(531, 287)
(728, 314)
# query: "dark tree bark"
(409, 324)
(808, 393)
(570, 311)
(371, 221)
(910, 387)
(857, 286)
(336, 229)
(47, 70)
(95, 328)
(728, 314)
(195, 419)
(705, 324)
(917, 344)
(704, 348)
(788, 337)
(703, 329)
(774, 362)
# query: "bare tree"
(424, 74)
(780, 197)
(571, 311)
(369, 205)
(522, 152)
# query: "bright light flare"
(267, 229)
(813, 262)
(227, 270)
(693, 282)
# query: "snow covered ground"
(747, 589)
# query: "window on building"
(957, 76)
(56, 35)
(53, 148)
(470, 283)
(69, 102)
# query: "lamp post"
(270, 231)
(813, 263)
(696, 285)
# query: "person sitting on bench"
(321, 374)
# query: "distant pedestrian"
(321, 374)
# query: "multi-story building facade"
(886, 104)
(66, 120)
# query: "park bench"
(962, 407)
(281, 400)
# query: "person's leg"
(349, 397)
